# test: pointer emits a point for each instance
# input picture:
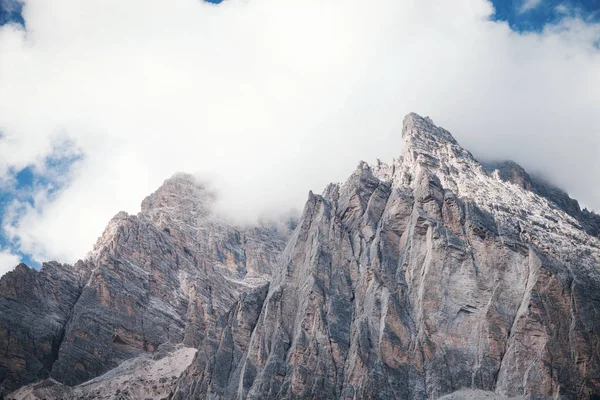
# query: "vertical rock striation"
(169, 274)
(35, 307)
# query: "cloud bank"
(268, 99)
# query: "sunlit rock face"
(433, 275)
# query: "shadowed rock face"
(411, 280)
(35, 307)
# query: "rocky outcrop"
(512, 172)
(167, 275)
(35, 307)
(218, 365)
(416, 279)
(478, 395)
(430, 276)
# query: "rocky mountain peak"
(180, 198)
(510, 171)
(430, 149)
(181, 204)
(416, 128)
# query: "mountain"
(168, 275)
(434, 275)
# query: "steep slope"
(414, 280)
(510, 171)
(167, 275)
(35, 307)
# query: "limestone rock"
(478, 395)
(421, 278)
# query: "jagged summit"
(432, 151)
(433, 146)
(422, 143)
(510, 171)
(180, 197)
(181, 201)
(415, 126)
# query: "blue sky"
(25, 182)
(543, 12)
(10, 11)
(533, 19)
(21, 189)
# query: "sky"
(101, 101)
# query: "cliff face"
(414, 280)
(510, 171)
(168, 275)
(409, 281)
(34, 310)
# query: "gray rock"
(168, 275)
(421, 278)
(35, 307)
(510, 171)
(478, 395)
(148, 377)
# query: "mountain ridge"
(412, 280)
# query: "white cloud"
(529, 5)
(8, 262)
(562, 9)
(271, 98)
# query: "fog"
(268, 99)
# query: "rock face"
(510, 171)
(414, 280)
(429, 276)
(34, 310)
(168, 275)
